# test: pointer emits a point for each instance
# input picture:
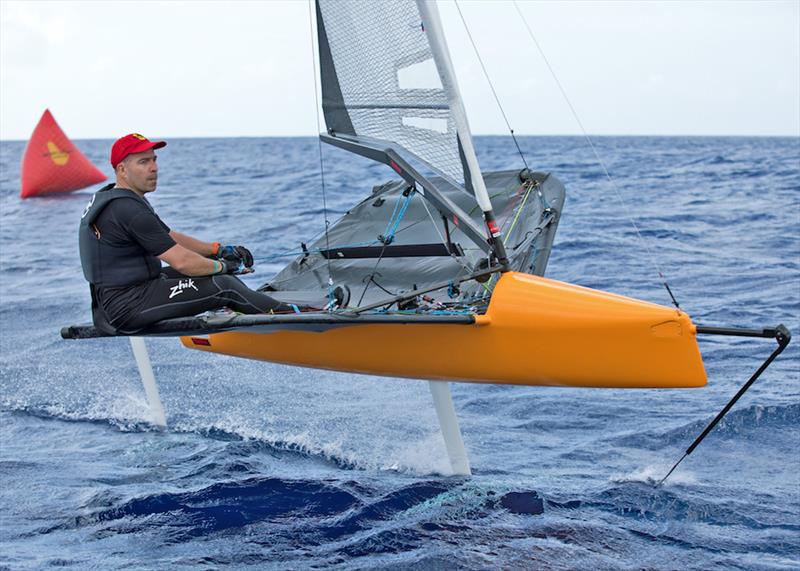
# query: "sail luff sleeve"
(441, 55)
(337, 119)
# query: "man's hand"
(229, 266)
(233, 267)
(238, 254)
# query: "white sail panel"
(379, 80)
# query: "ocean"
(265, 466)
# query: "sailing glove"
(230, 266)
(238, 254)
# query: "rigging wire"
(528, 188)
(319, 142)
(455, 258)
(491, 85)
(597, 155)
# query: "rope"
(319, 142)
(528, 188)
(387, 239)
(308, 268)
(391, 226)
(491, 86)
(423, 312)
(463, 265)
(319, 250)
(597, 156)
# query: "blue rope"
(330, 296)
(400, 209)
(391, 227)
(389, 223)
(451, 290)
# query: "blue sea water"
(271, 467)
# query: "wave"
(742, 423)
(220, 507)
(418, 458)
(715, 160)
(332, 511)
(251, 442)
(98, 415)
(298, 444)
(644, 501)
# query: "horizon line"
(542, 135)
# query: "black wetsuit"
(130, 289)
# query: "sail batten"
(398, 105)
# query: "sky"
(244, 68)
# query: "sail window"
(430, 123)
(422, 75)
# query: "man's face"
(139, 172)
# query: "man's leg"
(185, 296)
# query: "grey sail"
(383, 97)
(380, 81)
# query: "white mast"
(441, 55)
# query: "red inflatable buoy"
(52, 164)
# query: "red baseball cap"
(130, 144)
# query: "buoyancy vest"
(113, 265)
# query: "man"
(123, 242)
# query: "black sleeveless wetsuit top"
(120, 239)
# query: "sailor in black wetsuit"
(123, 242)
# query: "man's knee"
(227, 281)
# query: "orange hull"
(536, 331)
